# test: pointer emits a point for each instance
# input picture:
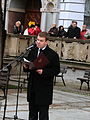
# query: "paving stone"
(66, 105)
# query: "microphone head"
(31, 46)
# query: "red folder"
(41, 61)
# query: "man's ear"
(47, 42)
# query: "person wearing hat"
(30, 30)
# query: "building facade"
(47, 12)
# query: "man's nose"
(38, 41)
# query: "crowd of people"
(32, 29)
(73, 30)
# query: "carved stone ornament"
(50, 6)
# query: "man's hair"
(44, 34)
(74, 21)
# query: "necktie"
(39, 51)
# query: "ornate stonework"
(49, 6)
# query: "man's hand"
(39, 71)
(75, 38)
(25, 66)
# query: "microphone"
(30, 47)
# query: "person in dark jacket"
(40, 82)
(61, 32)
(18, 28)
(53, 31)
(73, 31)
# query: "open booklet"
(29, 63)
(40, 62)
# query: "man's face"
(41, 42)
(74, 24)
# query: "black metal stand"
(15, 116)
(18, 59)
(6, 92)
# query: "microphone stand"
(6, 91)
(15, 116)
(9, 66)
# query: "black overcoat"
(40, 87)
(73, 32)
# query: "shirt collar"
(42, 48)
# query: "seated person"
(31, 30)
(61, 32)
(53, 31)
(18, 28)
(87, 34)
(37, 29)
(83, 32)
(73, 31)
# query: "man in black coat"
(73, 31)
(40, 82)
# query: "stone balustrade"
(72, 49)
(68, 49)
(16, 44)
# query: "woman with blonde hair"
(18, 28)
